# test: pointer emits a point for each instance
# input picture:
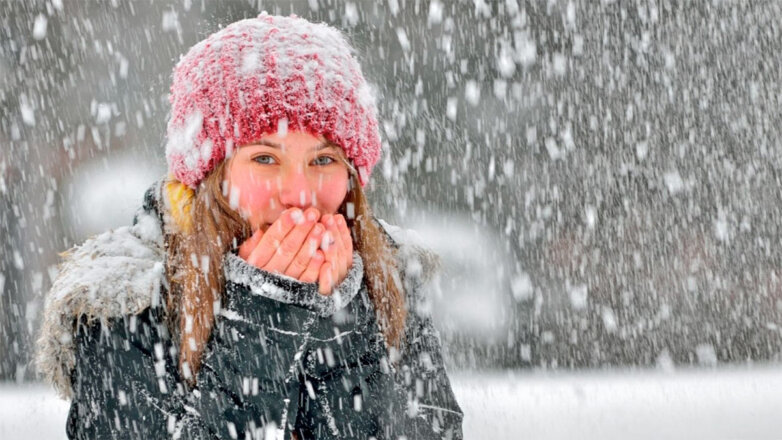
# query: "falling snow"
(600, 179)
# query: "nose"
(295, 190)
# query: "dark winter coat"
(281, 358)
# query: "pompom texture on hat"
(242, 81)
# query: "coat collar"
(292, 291)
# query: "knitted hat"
(259, 74)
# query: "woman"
(255, 296)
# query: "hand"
(289, 246)
(298, 246)
(337, 247)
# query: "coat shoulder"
(114, 274)
(420, 266)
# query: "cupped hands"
(305, 245)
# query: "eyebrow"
(268, 143)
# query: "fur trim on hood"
(121, 272)
(113, 274)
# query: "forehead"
(291, 147)
(295, 142)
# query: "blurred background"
(602, 178)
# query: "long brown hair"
(195, 252)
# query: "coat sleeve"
(432, 408)
(123, 382)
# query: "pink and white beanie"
(242, 81)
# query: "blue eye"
(264, 159)
(323, 160)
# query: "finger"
(328, 241)
(246, 248)
(312, 272)
(302, 259)
(347, 240)
(292, 243)
(271, 240)
(325, 279)
(339, 256)
(328, 247)
(331, 253)
(344, 253)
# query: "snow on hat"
(242, 81)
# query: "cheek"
(331, 194)
(256, 197)
(254, 193)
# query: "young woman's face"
(275, 173)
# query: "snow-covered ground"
(694, 404)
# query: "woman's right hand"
(290, 246)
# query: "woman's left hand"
(337, 245)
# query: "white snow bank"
(31, 411)
(696, 404)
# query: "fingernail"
(340, 220)
(297, 216)
(326, 241)
(313, 247)
(318, 229)
(311, 216)
(330, 221)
